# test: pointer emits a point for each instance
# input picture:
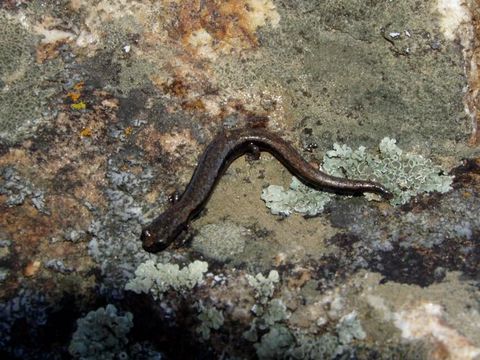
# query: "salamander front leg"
(253, 152)
(174, 197)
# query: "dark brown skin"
(226, 147)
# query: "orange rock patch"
(209, 27)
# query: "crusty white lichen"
(101, 334)
(222, 241)
(157, 278)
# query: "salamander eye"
(152, 242)
(147, 238)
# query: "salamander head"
(160, 234)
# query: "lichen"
(275, 338)
(17, 188)
(101, 334)
(25, 86)
(280, 342)
(276, 312)
(16, 44)
(405, 174)
(221, 241)
(273, 313)
(264, 286)
(275, 343)
(268, 312)
(310, 347)
(59, 266)
(298, 198)
(157, 278)
(210, 318)
(349, 328)
(144, 351)
(29, 306)
(114, 244)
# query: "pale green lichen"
(221, 241)
(349, 328)
(26, 88)
(275, 344)
(276, 312)
(157, 278)
(279, 341)
(266, 316)
(282, 343)
(318, 347)
(101, 334)
(17, 46)
(264, 286)
(251, 334)
(298, 198)
(267, 312)
(404, 174)
(210, 318)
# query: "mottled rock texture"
(105, 107)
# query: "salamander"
(224, 148)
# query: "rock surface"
(105, 107)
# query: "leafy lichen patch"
(210, 319)
(299, 198)
(101, 334)
(405, 174)
(157, 278)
